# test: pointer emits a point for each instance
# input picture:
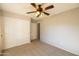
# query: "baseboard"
(17, 45)
(34, 39)
(60, 47)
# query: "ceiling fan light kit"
(37, 13)
(40, 10)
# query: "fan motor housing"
(39, 9)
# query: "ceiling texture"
(23, 8)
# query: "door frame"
(38, 31)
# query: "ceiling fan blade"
(34, 5)
(49, 7)
(46, 13)
(31, 12)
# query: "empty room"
(39, 29)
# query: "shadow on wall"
(1, 10)
(11, 14)
(62, 30)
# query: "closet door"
(17, 32)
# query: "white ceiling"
(22, 8)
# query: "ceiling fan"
(40, 10)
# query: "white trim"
(61, 47)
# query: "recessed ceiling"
(22, 8)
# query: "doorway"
(35, 31)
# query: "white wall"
(1, 33)
(17, 31)
(0, 36)
(33, 31)
(16, 25)
(62, 30)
